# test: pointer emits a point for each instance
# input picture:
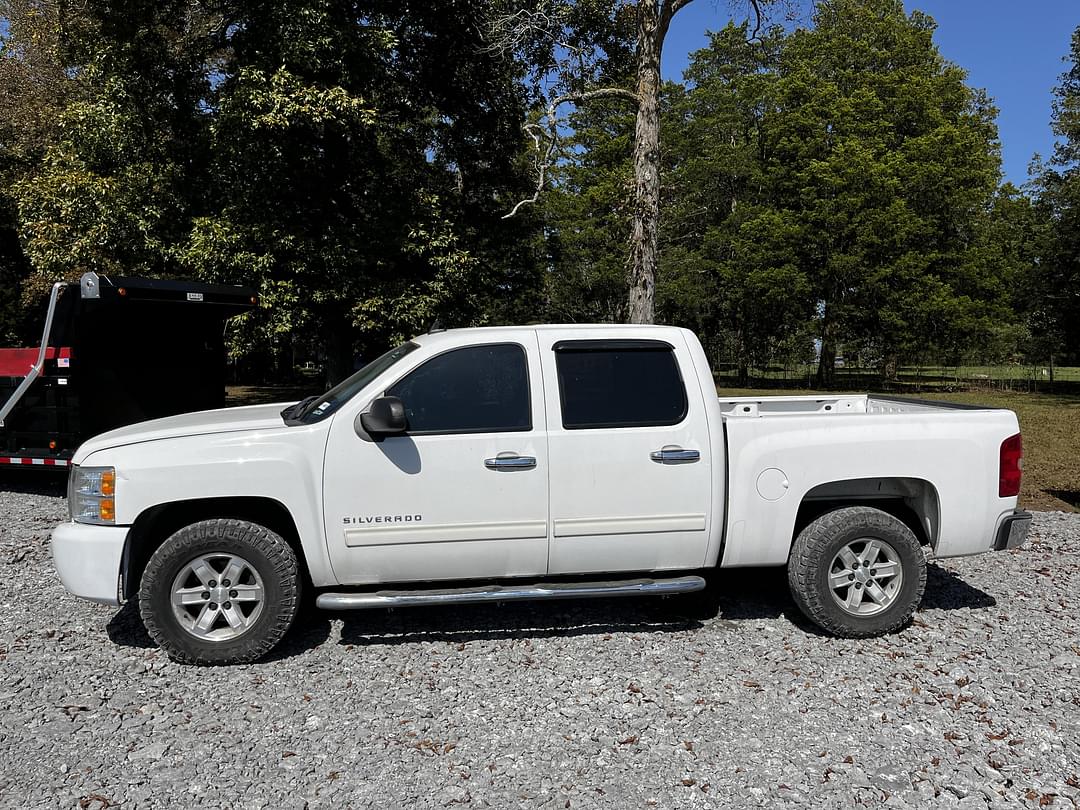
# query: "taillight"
(1011, 467)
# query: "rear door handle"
(674, 455)
(510, 463)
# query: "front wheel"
(220, 592)
(857, 572)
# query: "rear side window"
(475, 389)
(613, 384)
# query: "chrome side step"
(509, 593)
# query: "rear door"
(629, 453)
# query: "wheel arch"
(913, 501)
(157, 523)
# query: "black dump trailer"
(115, 350)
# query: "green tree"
(34, 88)
(590, 50)
(112, 192)
(729, 266)
(587, 218)
(887, 162)
(1055, 304)
(358, 170)
(351, 161)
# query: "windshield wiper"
(294, 410)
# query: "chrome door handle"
(510, 463)
(674, 455)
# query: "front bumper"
(88, 559)
(1013, 530)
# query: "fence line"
(972, 376)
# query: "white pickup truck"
(514, 463)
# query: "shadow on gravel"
(946, 591)
(731, 596)
(310, 630)
(518, 620)
(757, 593)
(126, 628)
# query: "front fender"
(282, 464)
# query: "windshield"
(319, 407)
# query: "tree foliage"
(835, 182)
(829, 188)
(1054, 308)
(351, 161)
(731, 253)
(590, 51)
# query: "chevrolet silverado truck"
(527, 463)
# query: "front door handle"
(674, 455)
(509, 462)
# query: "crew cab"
(513, 463)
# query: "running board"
(509, 593)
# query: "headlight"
(92, 494)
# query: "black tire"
(268, 557)
(811, 565)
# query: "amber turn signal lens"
(107, 509)
(108, 483)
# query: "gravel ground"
(614, 703)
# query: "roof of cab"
(503, 331)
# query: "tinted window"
(478, 389)
(619, 386)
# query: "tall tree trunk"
(826, 373)
(643, 250)
(892, 366)
(742, 374)
(338, 345)
(743, 364)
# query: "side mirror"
(385, 417)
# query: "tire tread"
(189, 540)
(807, 558)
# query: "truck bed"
(750, 407)
(942, 458)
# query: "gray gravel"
(619, 703)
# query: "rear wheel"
(857, 572)
(220, 592)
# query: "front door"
(629, 452)
(464, 493)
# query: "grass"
(1051, 427)
(1015, 372)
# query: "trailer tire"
(857, 572)
(220, 591)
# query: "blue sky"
(1012, 50)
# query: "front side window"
(476, 389)
(316, 408)
(612, 384)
